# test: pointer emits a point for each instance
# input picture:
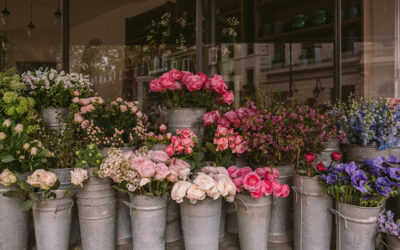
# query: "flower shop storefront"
(200, 124)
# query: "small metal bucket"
(123, 227)
(14, 231)
(172, 231)
(253, 220)
(393, 242)
(97, 214)
(359, 154)
(325, 155)
(201, 224)
(54, 118)
(149, 217)
(180, 118)
(52, 221)
(312, 215)
(355, 226)
(280, 229)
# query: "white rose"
(7, 123)
(144, 181)
(179, 190)
(34, 179)
(227, 188)
(78, 176)
(47, 180)
(195, 193)
(2, 136)
(7, 178)
(213, 192)
(19, 128)
(204, 181)
(222, 170)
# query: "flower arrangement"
(182, 89)
(387, 225)
(213, 182)
(367, 185)
(258, 183)
(162, 137)
(368, 122)
(116, 124)
(51, 88)
(184, 145)
(307, 167)
(143, 172)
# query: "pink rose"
(244, 171)
(222, 144)
(175, 74)
(193, 83)
(188, 150)
(205, 182)
(252, 182)
(222, 170)
(230, 115)
(241, 112)
(158, 156)
(285, 191)
(228, 97)
(233, 171)
(170, 150)
(223, 122)
(187, 142)
(185, 75)
(161, 172)
(218, 84)
(208, 119)
(195, 193)
(180, 168)
(78, 118)
(238, 183)
(147, 169)
(84, 101)
(76, 93)
(163, 128)
(123, 108)
(179, 190)
(75, 100)
(239, 149)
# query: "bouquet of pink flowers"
(182, 89)
(143, 172)
(258, 183)
(213, 182)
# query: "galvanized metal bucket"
(201, 224)
(97, 214)
(172, 231)
(253, 221)
(359, 154)
(312, 215)
(187, 118)
(280, 229)
(123, 227)
(222, 223)
(149, 217)
(54, 118)
(14, 232)
(64, 176)
(325, 155)
(231, 218)
(52, 221)
(355, 226)
(393, 242)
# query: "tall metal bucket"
(325, 155)
(97, 214)
(149, 217)
(201, 223)
(123, 227)
(54, 118)
(253, 221)
(231, 218)
(52, 221)
(280, 229)
(172, 231)
(14, 233)
(359, 154)
(187, 118)
(312, 215)
(356, 226)
(393, 242)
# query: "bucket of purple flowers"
(391, 229)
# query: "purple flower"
(372, 168)
(359, 180)
(332, 178)
(393, 159)
(351, 168)
(382, 186)
(340, 167)
(394, 173)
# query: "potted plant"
(53, 92)
(391, 229)
(200, 203)
(187, 97)
(255, 189)
(147, 176)
(359, 191)
(370, 127)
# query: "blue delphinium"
(367, 122)
(386, 224)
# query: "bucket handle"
(134, 207)
(370, 220)
(244, 204)
(56, 209)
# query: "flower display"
(114, 124)
(42, 179)
(51, 88)
(387, 225)
(78, 176)
(258, 183)
(144, 172)
(182, 89)
(368, 122)
(7, 178)
(308, 168)
(213, 182)
(366, 185)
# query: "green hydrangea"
(10, 111)
(10, 97)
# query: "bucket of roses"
(359, 191)
(200, 200)
(147, 176)
(187, 97)
(254, 190)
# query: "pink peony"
(185, 75)
(218, 84)
(167, 83)
(158, 156)
(193, 83)
(161, 172)
(175, 74)
(252, 182)
(228, 97)
(204, 80)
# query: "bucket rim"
(203, 109)
(358, 207)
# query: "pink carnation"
(252, 182)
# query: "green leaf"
(24, 186)
(33, 197)
(27, 205)
(119, 189)
(200, 156)
(14, 193)
(211, 147)
(7, 158)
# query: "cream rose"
(7, 178)
(78, 176)
(33, 151)
(7, 123)
(213, 193)
(178, 191)
(204, 181)
(2, 136)
(161, 172)
(195, 193)
(227, 188)
(19, 128)
(34, 178)
(47, 180)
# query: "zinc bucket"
(312, 215)
(253, 220)
(123, 227)
(231, 218)
(359, 154)
(355, 226)
(201, 224)
(393, 242)
(180, 118)
(52, 221)
(280, 229)
(148, 216)
(325, 155)
(54, 118)
(14, 232)
(172, 231)
(97, 214)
